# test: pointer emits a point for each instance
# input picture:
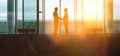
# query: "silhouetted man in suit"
(65, 19)
(56, 18)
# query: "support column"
(37, 13)
(109, 15)
(16, 15)
(10, 16)
(43, 16)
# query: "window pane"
(116, 9)
(79, 17)
(3, 17)
(19, 11)
(93, 13)
(116, 16)
(30, 14)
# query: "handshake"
(61, 18)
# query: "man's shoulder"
(54, 12)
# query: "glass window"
(116, 10)
(30, 14)
(116, 16)
(3, 17)
(26, 12)
(93, 14)
(78, 19)
(19, 15)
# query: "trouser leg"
(66, 27)
(55, 28)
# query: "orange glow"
(92, 9)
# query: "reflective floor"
(60, 45)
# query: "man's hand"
(60, 18)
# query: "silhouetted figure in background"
(56, 18)
(65, 19)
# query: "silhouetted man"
(65, 19)
(56, 18)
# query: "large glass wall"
(3, 17)
(82, 14)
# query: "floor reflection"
(59, 45)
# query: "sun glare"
(92, 9)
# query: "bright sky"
(30, 9)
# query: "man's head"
(65, 10)
(56, 9)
